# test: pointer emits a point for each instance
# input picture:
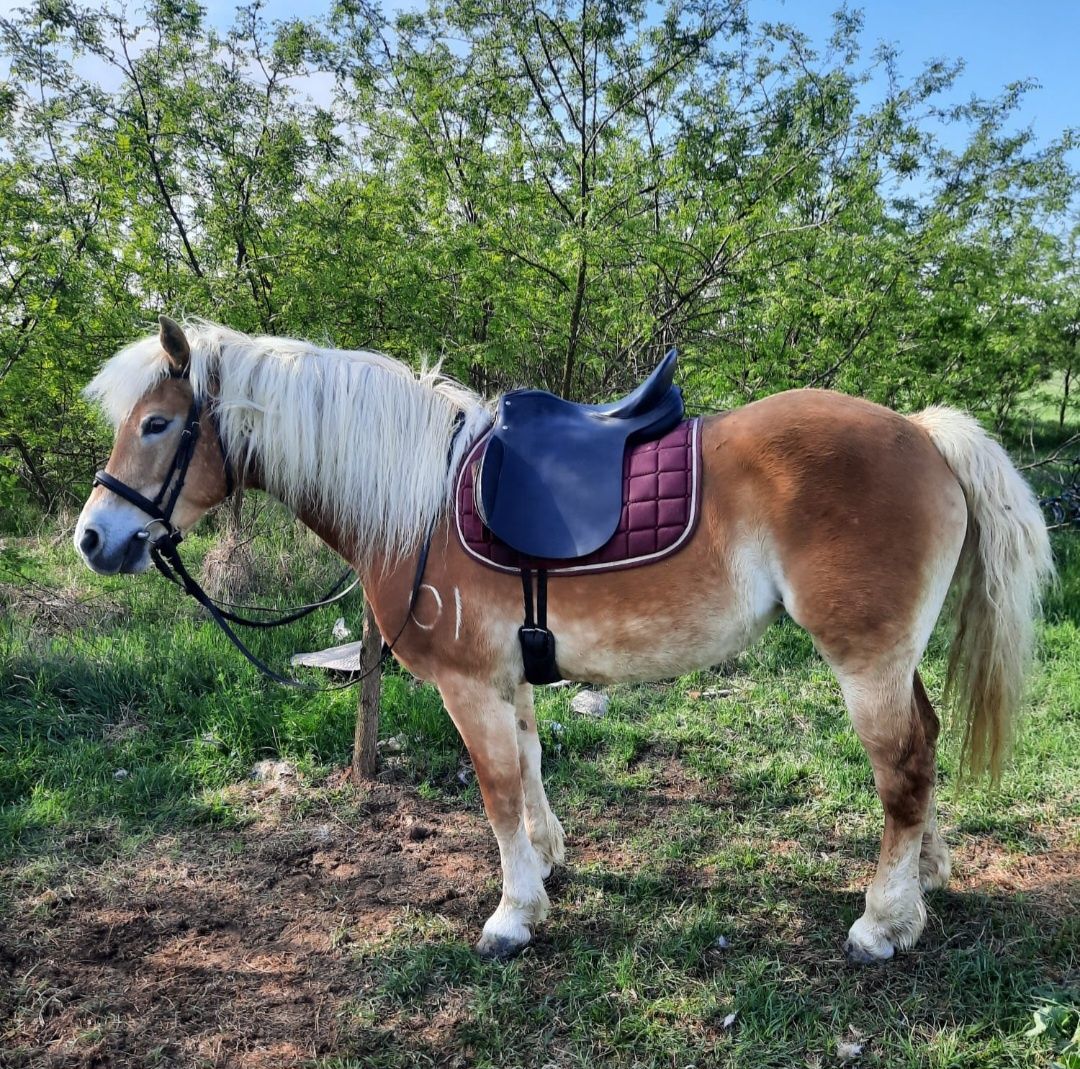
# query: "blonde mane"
(357, 436)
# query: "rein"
(165, 554)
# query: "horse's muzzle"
(131, 555)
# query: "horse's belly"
(666, 631)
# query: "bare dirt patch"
(229, 948)
(1051, 877)
(253, 947)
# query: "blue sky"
(999, 40)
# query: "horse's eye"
(154, 425)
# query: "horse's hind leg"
(900, 740)
(934, 864)
(543, 827)
(487, 722)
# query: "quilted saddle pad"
(661, 502)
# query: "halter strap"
(174, 479)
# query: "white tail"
(1004, 564)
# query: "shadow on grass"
(113, 733)
(631, 962)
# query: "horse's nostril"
(89, 542)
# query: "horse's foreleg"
(900, 741)
(488, 725)
(543, 827)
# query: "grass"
(734, 803)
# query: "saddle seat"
(550, 483)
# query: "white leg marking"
(895, 914)
(543, 827)
(524, 901)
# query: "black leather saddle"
(551, 478)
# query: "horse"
(852, 519)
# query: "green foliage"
(1057, 1022)
(550, 197)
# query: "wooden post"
(367, 713)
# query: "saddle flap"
(661, 497)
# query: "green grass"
(734, 803)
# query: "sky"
(999, 40)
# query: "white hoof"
(890, 923)
(867, 943)
(503, 939)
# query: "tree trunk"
(367, 713)
(1063, 410)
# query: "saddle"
(550, 483)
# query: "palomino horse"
(854, 520)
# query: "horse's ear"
(175, 344)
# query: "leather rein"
(165, 554)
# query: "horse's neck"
(413, 492)
(386, 580)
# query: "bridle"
(165, 554)
(159, 510)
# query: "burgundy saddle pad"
(661, 501)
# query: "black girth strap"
(537, 642)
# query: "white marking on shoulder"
(457, 610)
(438, 608)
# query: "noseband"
(166, 556)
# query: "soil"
(241, 948)
(233, 947)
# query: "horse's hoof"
(500, 948)
(859, 955)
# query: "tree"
(550, 196)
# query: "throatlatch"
(537, 642)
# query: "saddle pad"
(661, 501)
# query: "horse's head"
(167, 466)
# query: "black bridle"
(165, 554)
